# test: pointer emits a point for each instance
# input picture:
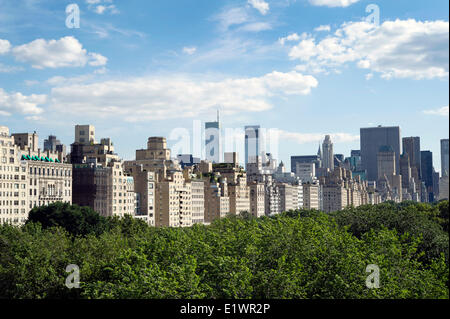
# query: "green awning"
(28, 157)
(51, 160)
(42, 159)
(57, 160)
(46, 159)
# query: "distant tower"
(411, 146)
(252, 146)
(444, 158)
(319, 155)
(212, 140)
(371, 139)
(328, 155)
(386, 162)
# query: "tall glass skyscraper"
(252, 143)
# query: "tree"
(73, 218)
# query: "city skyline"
(203, 145)
(258, 62)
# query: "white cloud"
(230, 17)
(260, 5)
(9, 68)
(11, 103)
(323, 28)
(256, 27)
(303, 138)
(143, 99)
(189, 50)
(333, 3)
(65, 52)
(96, 59)
(5, 46)
(100, 9)
(396, 49)
(102, 6)
(443, 111)
(291, 37)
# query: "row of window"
(50, 172)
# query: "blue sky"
(307, 68)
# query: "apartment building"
(106, 189)
(216, 195)
(14, 205)
(30, 177)
(198, 201)
(288, 197)
(145, 189)
(257, 199)
(173, 201)
(311, 197)
(341, 190)
(238, 190)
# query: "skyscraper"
(54, 145)
(411, 146)
(427, 172)
(212, 141)
(328, 155)
(405, 170)
(251, 143)
(444, 158)
(386, 162)
(371, 140)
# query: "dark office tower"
(444, 158)
(305, 159)
(54, 145)
(251, 143)
(405, 170)
(411, 146)
(426, 158)
(371, 139)
(435, 185)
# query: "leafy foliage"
(297, 254)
